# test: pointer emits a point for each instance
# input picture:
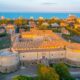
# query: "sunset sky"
(39, 5)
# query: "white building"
(8, 61)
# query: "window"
(23, 56)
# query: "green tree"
(73, 31)
(4, 21)
(43, 26)
(47, 73)
(20, 77)
(20, 22)
(10, 21)
(63, 72)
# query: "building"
(10, 29)
(2, 17)
(9, 61)
(73, 54)
(54, 54)
(49, 45)
(55, 25)
(46, 46)
(63, 23)
(65, 31)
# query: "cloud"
(39, 5)
(48, 3)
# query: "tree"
(73, 31)
(20, 77)
(43, 26)
(63, 72)
(20, 22)
(4, 21)
(54, 20)
(47, 73)
(3, 32)
(10, 21)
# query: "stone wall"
(11, 63)
(34, 57)
(68, 56)
(8, 69)
(73, 57)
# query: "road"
(28, 71)
(75, 72)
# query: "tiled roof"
(50, 41)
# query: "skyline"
(39, 6)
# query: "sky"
(39, 5)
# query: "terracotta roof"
(40, 50)
(74, 46)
